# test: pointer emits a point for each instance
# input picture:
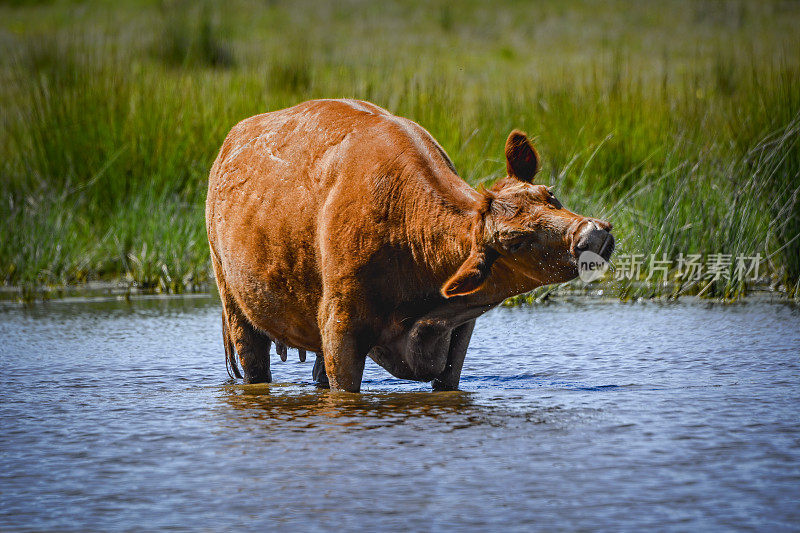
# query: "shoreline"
(100, 291)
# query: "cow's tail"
(230, 352)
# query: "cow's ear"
(471, 275)
(522, 160)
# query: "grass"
(679, 121)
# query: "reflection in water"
(292, 407)
(313, 407)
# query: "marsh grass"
(190, 37)
(679, 124)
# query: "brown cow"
(339, 228)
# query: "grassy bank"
(679, 121)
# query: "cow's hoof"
(440, 386)
(258, 378)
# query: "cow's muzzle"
(594, 236)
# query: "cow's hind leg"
(252, 347)
(319, 374)
(240, 337)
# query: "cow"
(339, 228)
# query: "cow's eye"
(513, 241)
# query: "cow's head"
(524, 225)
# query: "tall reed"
(679, 125)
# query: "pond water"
(573, 415)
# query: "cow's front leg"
(344, 362)
(344, 349)
(459, 341)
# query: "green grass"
(679, 121)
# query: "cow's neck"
(504, 282)
(445, 242)
(452, 238)
(444, 238)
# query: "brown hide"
(339, 228)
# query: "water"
(592, 415)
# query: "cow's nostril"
(607, 248)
